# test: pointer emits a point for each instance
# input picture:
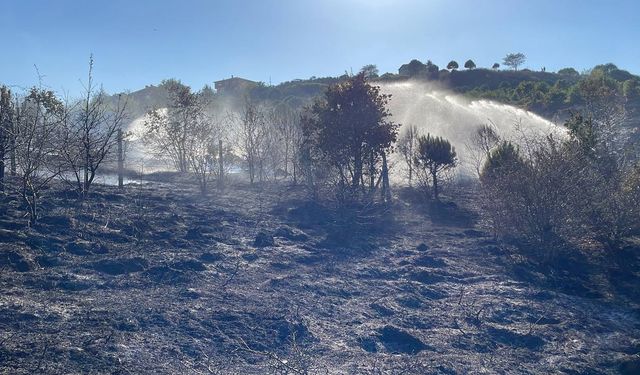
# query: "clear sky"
(136, 43)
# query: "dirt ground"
(156, 279)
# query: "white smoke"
(432, 109)
(456, 118)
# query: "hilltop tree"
(569, 72)
(369, 71)
(514, 60)
(431, 67)
(495, 66)
(435, 156)
(469, 64)
(351, 130)
(452, 65)
(413, 68)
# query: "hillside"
(281, 286)
(551, 95)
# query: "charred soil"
(158, 279)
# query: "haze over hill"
(449, 103)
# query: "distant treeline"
(549, 94)
(545, 93)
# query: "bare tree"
(287, 126)
(90, 132)
(407, 145)
(483, 140)
(203, 151)
(170, 131)
(252, 138)
(36, 150)
(6, 129)
(271, 158)
(188, 134)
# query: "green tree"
(612, 71)
(435, 156)
(431, 67)
(469, 64)
(514, 60)
(452, 65)
(569, 72)
(495, 66)
(350, 129)
(631, 88)
(369, 71)
(502, 160)
(413, 68)
(555, 98)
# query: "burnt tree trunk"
(220, 165)
(120, 160)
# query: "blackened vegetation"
(337, 274)
(90, 290)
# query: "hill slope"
(157, 281)
(551, 95)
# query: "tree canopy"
(350, 127)
(469, 64)
(514, 60)
(435, 155)
(369, 71)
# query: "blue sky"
(136, 43)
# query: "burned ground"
(155, 279)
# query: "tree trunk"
(220, 165)
(386, 189)
(12, 151)
(435, 184)
(252, 170)
(2, 170)
(120, 160)
(295, 174)
(286, 159)
(87, 160)
(372, 169)
(29, 197)
(34, 209)
(357, 172)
